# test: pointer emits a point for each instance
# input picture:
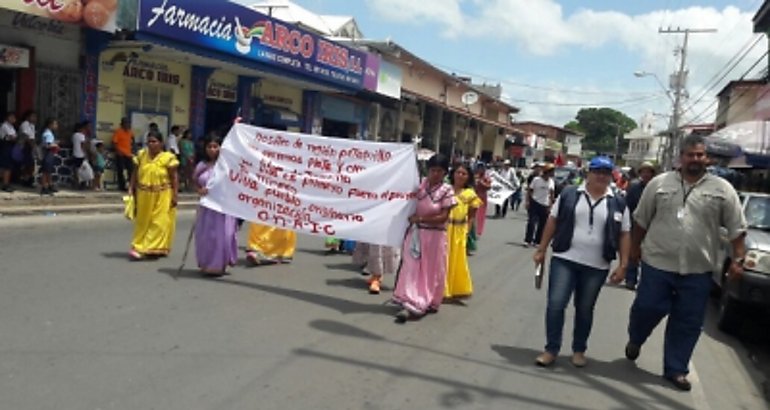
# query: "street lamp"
(640, 74)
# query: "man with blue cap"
(587, 228)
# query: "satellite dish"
(469, 98)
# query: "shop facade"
(43, 66)
(278, 75)
(40, 69)
(142, 88)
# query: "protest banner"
(501, 189)
(358, 190)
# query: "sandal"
(374, 285)
(134, 255)
(252, 258)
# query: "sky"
(553, 57)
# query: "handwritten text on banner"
(321, 186)
(501, 189)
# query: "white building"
(644, 143)
(574, 145)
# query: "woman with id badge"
(589, 226)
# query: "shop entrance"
(341, 129)
(7, 91)
(219, 116)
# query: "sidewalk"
(26, 201)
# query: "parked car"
(564, 177)
(750, 291)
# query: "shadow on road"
(619, 369)
(350, 283)
(352, 267)
(341, 305)
(318, 252)
(463, 391)
(115, 255)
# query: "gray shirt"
(683, 221)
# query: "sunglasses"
(602, 171)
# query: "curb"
(95, 208)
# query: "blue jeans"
(632, 273)
(585, 282)
(683, 298)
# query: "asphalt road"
(81, 327)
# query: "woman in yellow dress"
(154, 185)
(461, 218)
(269, 245)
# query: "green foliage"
(600, 127)
(574, 126)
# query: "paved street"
(83, 328)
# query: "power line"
(538, 87)
(647, 98)
(733, 101)
(710, 86)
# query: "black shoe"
(402, 316)
(44, 191)
(632, 351)
(7, 188)
(53, 190)
(680, 382)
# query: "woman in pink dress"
(421, 280)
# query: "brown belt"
(153, 188)
(431, 228)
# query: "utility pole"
(678, 84)
(617, 144)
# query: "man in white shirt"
(172, 142)
(27, 127)
(7, 141)
(590, 226)
(540, 196)
(27, 137)
(79, 148)
(508, 174)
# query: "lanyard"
(686, 193)
(591, 208)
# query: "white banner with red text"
(350, 189)
(501, 189)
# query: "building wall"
(736, 106)
(115, 72)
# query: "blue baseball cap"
(601, 163)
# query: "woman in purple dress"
(216, 241)
(421, 280)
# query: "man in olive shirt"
(676, 231)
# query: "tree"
(601, 126)
(574, 126)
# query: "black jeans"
(502, 210)
(123, 163)
(537, 215)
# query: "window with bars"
(148, 98)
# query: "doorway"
(340, 129)
(7, 91)
(219, 116)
